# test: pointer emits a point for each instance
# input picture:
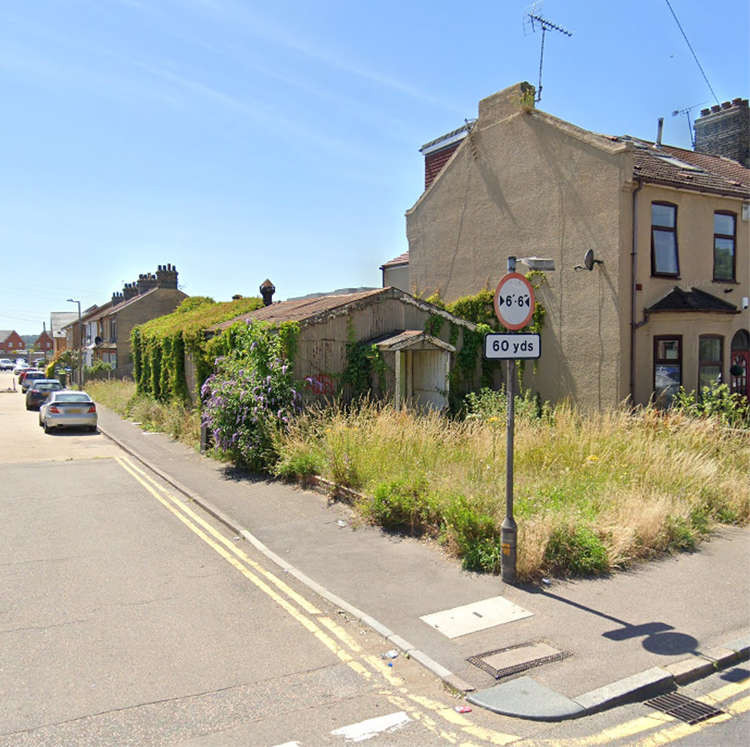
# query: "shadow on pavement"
(237, 474)
(658, 637)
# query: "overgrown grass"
(592, 492)
(174, 418)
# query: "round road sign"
(514, 301)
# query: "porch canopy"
(421, 365)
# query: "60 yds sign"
(501, 346)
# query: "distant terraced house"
(105, 330)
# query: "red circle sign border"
(532, 305)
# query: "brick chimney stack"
(117, 298)
(166, 276)
(129, 290)
(725, 131)
(146, 281)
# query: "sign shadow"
(658, 637)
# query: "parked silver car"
(68, 409)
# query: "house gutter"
(633, 294)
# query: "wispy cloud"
(237, 15)
(263, 114)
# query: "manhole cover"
(683, 708)
(506, 661)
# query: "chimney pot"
(726, 104)
(704, 112)
(267, 289)
(716, 108)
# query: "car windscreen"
(72, 398)
(46, 386)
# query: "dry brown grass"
(643, 483)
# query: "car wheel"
(47, 429)
(28, 407)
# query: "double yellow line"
(664, 728)
(438, 717)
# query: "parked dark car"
(39, 390)
(28, 377)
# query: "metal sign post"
(514, 306)
(509, 530)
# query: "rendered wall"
(526, 184)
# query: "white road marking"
(372, 727)
(476, 616)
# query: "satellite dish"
(589, 261)
(97, 340)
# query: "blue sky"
(241, 140)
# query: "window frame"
(733, 238)
(666, 361)
(668, 229)
(703, 363)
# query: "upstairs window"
(664, 258)
(725, 236)
(709, 360)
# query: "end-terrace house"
(662, 298)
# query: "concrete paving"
(623, 636)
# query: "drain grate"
(683, 708)
(503, 662)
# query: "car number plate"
(74, 410)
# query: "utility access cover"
(476, 616)
(506, 661)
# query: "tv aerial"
(536, 20)
(686, 111)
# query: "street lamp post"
(80, 343)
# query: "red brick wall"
(43, 342)
(15, 339)
(434, 162)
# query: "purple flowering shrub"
(251, 397)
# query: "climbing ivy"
(434, 324)
(160, 345)
(362, 361)
(479, 309)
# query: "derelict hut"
(418, 363)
